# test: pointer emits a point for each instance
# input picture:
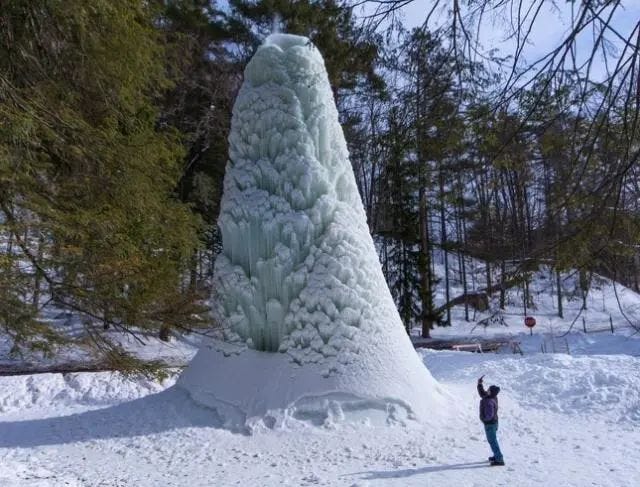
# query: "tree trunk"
(193, 270)
(503, 270)
(465, 288)
(443, 244)
(584, 287)
(559, 292)
(38, 274)
(525, 293)
(405, 293)
(488, 274)
(425, 268)
(463, 240)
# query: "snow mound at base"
(251, 390)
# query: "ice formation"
(299, 275)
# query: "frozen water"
(299, 273)
(298, 270)
(296, 265)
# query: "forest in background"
(114, 116)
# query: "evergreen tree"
(205, 74)
(430, 121)
(87, 174)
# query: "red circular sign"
(530, 321)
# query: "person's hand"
(480, 379)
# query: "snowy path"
(565, 422)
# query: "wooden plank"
(64, 368)
(480, 345)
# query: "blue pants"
(492, 430)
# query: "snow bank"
(167, 440)
(299, 285)
(606, 386)
(24, 392)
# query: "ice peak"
(298, 273)
(286, 41)
(276, 22)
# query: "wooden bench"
(470, 347)
(478, 347)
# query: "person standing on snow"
(489, 416)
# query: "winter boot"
(491, 459)
(497, 463)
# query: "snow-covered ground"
(606, 301)
(608, 304)
(564, 421)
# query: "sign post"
(530, 322)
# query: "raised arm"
(481, 390)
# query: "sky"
(550, 28)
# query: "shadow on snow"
(154, 414)
(392, 474)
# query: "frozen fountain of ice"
(308, 323)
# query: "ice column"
(299, 273)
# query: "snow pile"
(299, 273)
(606, 386)
(23, 392)
(254, 390)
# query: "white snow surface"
(564, 421)
(301, 296)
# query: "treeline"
(454, 166)
(114, 116)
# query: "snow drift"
(308, 322)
